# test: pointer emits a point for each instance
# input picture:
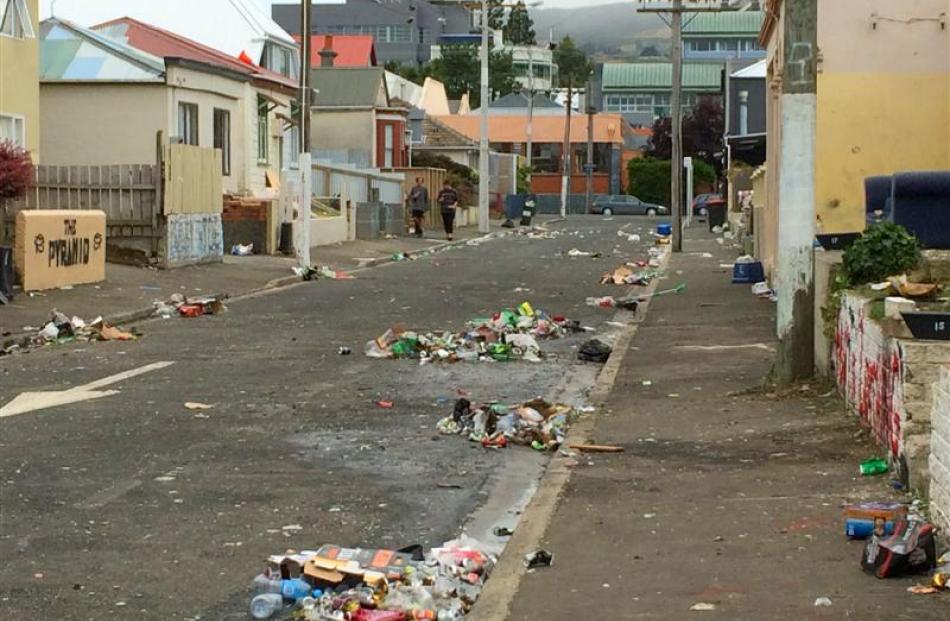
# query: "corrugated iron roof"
(514, 129)
(339, 87)
(645, 76)
(231, 26)
(164, 44)
(70, 52)
(745, 23)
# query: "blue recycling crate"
(747, 273)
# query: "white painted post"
(796, 189)
(303, 212)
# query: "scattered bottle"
(874, 466)
(266, 605)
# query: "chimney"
(743, 113)
(327, 54)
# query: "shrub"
(886, 249)
(16, 171)
(649, 179)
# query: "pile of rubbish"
(355, 584)
(63, 329)
(624, 275)
(324, 271)
(538, 424)
(511, 334)
(184, 306)
(900, 541)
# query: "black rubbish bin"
(529, 209)
(717, 213)
(6, 274)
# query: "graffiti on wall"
(869, 373)
(194, 238)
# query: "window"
(263, 130)
(222, 138)
(16, 21)
(188, 123)
(629, 103)
(13, 128)
(389, 141)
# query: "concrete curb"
(495, 601)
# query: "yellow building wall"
(875, 124)
(883, 99)
(19, 80)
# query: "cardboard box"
(60, 247)
(862, 519)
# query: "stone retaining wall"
(940, 452)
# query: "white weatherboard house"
(235, 27)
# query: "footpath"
(128, 293)
(726, 498)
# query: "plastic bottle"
(874, 466)
(295, 589)
(265, 584)
(265, 605)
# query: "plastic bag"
(910, 549)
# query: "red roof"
(165, 44)
(352, 50)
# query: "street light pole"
(530, 114)
(676, 120)
(484, 174)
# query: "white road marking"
(32, 401)
(761, 346)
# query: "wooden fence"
(192, 180)
(130, 195)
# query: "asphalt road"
(132, 506)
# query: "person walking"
(418, 205)
(448, 200)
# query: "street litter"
(863, 519)
(910, 549)
(386, 405)
(574, 252)
(510, 334)
(325, 272)
(873, 466)
(677, 290)
(597, 448)
(630, 302)
(179, 304)
(538, 424)
(623, 275)
(702, 607)
(240, 250)
(823, 602)
(594, 350)
(63, 329)
(540, 558)
(344, 351)
(194, 405)
(356, 584)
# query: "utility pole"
(566, 151)
(676, 9)
(796, 190)
(303, 203)
(530, 114)
(676, 118)
(589, 169)
(484, 174)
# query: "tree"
(16, 171)
(649, 179)
(417, 75)
(496, 15)
(572, 63)
(459, 69)
(651, 51)
(520, 27)
(703, 128)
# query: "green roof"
(653, 76)
(737, 23)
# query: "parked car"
(700, 207)
(625, 205)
